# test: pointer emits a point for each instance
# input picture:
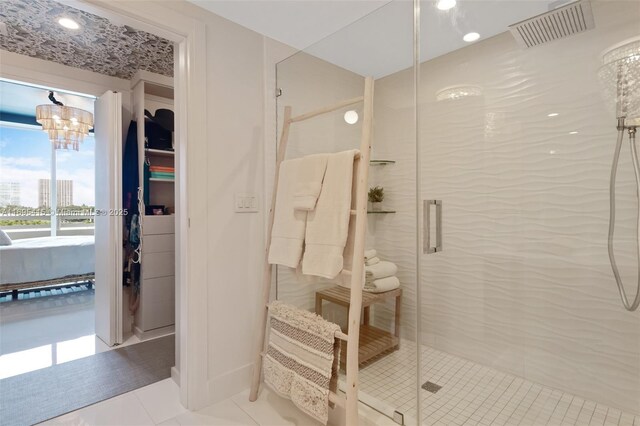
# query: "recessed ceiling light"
(553, 114)
(471, 37)
(573, 133)
(68, 23)
(446, 4)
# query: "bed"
(36, 262)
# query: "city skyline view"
(25, 158)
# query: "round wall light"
(351, 117)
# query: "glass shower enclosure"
(521, 321)
(495, 127)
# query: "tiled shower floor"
(473, 394)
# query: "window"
(75, 173)
(25, 181)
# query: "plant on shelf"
(376, 196)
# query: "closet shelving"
(159, 152)
(156, 312)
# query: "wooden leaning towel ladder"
(360, 223)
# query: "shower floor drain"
(431, 387)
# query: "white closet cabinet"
(156, 312)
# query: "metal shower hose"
(612, 215)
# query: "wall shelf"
(380, 211)
(381, 162)
(161, 180)
(160, 152)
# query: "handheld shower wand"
(622, 67)
(630, 306)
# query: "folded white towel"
(368, 254)
(289, 224)
(382, 285)
(372, 261)
(309, 181)
(380, 270)
(328, 224)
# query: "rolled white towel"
(372, 261)
(369, 254)
(382, 285)
(380, 270)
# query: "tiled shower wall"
(524, 282)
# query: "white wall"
(524, 282)
(239, 62)
(236, 164)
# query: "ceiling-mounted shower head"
(620, 79)
(561, 22)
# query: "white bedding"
(47, 258)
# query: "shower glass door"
(379, 45)
(520, 319)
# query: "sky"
(25, 157)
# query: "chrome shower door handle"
(426, 226)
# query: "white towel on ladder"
(309, 181)
(328, 224)
(287, 235)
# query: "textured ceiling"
(98, 46)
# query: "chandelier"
(66, 126)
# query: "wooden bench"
(373, 340)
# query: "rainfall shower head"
(560, 22)
(620, 78)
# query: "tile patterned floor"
(43, 331)
(473, 394)
(158, 404)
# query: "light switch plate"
(246, 203)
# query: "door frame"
(190, 80)
(189, 36)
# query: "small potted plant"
(376, 196)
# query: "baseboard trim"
(152, 334)
(175, 375)
(231, 383)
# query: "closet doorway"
(113, 316)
